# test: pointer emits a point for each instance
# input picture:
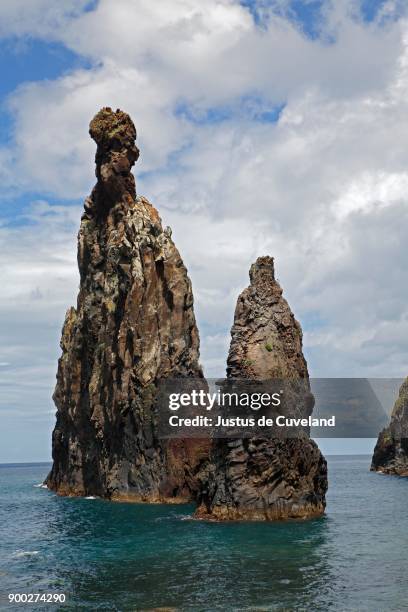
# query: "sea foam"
(25, 553)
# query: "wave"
(172, 517)
(25, 553)
(41, 485)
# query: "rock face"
(391, 451)
(134, 324)
(265, 479)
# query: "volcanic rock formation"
(133, 325)
(391, 451)
(260, 478)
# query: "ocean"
(120, 556)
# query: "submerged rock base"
(265, 480)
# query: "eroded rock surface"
(391, 451)
(134, 324)
(265, 479)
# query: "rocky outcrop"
(265, 479)
(133, 325)
(391, 451)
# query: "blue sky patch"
(34, 60)
(14, 210)
(305, 13)
(371, 8)
(6, 125)
(202, 116)
(251, 107)
(308, 15)
(91, 6)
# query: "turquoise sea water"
(111, 556)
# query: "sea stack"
(133, 325)
(391, 451)
(260, 478)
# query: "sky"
(266, 127)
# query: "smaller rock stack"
(258, 478)
(391, 451)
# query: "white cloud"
(39, 282)
(150, 56)
(324, 189)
